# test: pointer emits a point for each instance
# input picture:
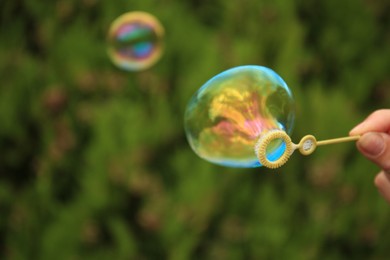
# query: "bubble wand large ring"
(306, 146)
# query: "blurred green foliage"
(94, 163)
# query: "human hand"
(374, 144)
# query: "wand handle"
(339, 140)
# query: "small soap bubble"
(226, 116)
(135, 41)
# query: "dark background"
(94, 163)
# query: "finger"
(376, 147)
(379, 121)
(382, 182)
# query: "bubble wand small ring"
(306, 146)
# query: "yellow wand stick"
(338, 140)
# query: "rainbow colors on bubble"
(225, 117)
(135, 41)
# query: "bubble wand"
(306, 146)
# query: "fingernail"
(372, 144)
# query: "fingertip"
(373, 123)
(379, 180)
(353, 132)
(383, 185)
(358, 130)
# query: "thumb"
(376, 147)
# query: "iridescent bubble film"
(226, 116)
(135, 41)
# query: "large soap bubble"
(225, 117)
